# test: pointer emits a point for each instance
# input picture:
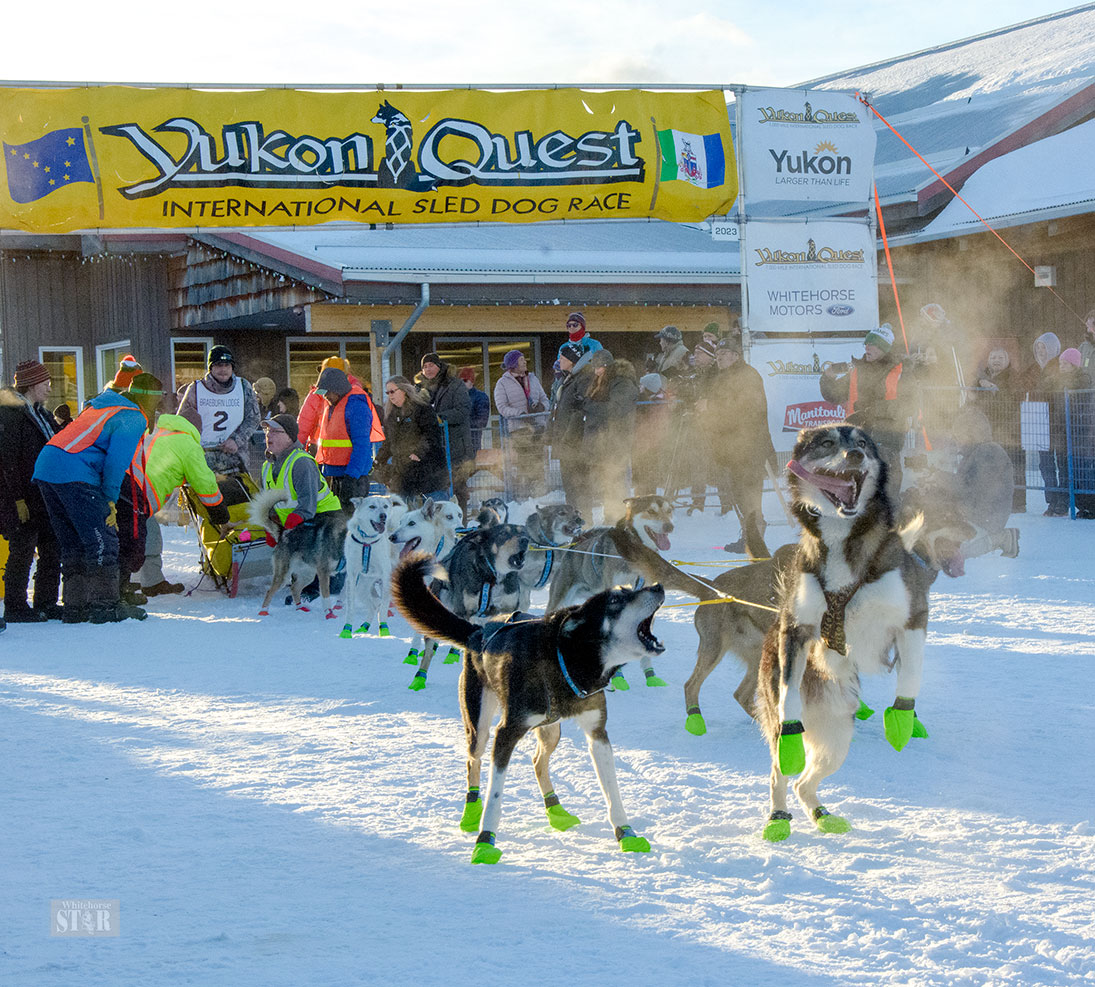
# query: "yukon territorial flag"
(694, 158)
(44, 165)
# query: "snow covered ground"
(271, 805)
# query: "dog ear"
(429, 508)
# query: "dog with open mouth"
(853, 593)
(368, 566)
(536, 672)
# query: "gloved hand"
(23, 511)
(112, 517)
(292, 521)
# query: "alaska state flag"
(694, 158)
(46, 164)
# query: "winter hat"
(511, 359)
(30, 372)
(434, 359)
(882, 337)
(670, 333)
(602, 358)
(147, 391)
(333, 381)
(730, 343)
(1072, 355)
(933, 314)
(467, 374)
(284, 423)
(1052, 345)
(712, 329)
(576, 332)
(570, 352)
(128, 368)
(706, 347)
(652, 383)
(221, 354)
(334, 361)
(265, 389)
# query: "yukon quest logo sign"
(808, 115)
(452, 152)
(813, 254)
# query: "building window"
(303, 355)
(189, 359)
(485, 354)
(66, 368)
(107, 358)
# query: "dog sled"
(241, 553)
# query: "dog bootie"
(485, 851)
(346, 633)
(363, 629)
(899, 719)
(630, 842)
(694, 723)
(920, 732)
(778, 828)
(412, 657)
(452, 656)
(864, 712)
(558, 817)
(619, 683)
(473, 811)
(828, 823)
(652, 678)
(792, 750)
(382, 630)
(418, 683)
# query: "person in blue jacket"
(578, 336)
(79, 473)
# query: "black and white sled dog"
(481, 580)
(548, 529)
(598, 560)
(493, 510)
(368, 566)
(537, 671)
(313, 548)
(853, 592)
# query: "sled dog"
(853, 592)
(368, 566)
(537, 671)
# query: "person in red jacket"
(344, 449)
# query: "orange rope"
(980, 218)
(889, 264)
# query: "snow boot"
(74, 596)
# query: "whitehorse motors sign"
(803, 145)
(810, 277)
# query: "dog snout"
(855, 457)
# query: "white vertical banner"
(791, 371)
(804, 145)
(810, 276)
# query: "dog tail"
(421, 609)
(258, 511)
(909, 532)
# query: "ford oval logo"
(840, 310)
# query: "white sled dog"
(368, 566)
(853, 591)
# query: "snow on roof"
(954, 100)
(639, 252)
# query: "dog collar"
(484, 599)
(549, 557)
(440, 545)
(366, 550)
(580, 693)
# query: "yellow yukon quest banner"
(116, 157)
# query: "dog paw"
(695, 724)
(473, 813)
(264, 613)
(619, 683)
(653, 680)
(919, 730)
(382, 630)
(418, 683)
(363, 629)
(792, 750)
(412, 657)
(485, 853)
(828, 823)
(899, 723)
(331, 615)
(630, 842)
(864, 712)
(777, 830)
(560, 819)
(346, 633)
(452, 656)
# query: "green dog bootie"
(919, 730)
(652, 679)
(485, 851)
(619, 683)
(694, 723)
(899, 719)
(412, 657)
(630, 842)
(383, 631)
(346, 633)
(473, 811)
(778, 828)
(864, 712)
(418, 683)
(792, 750)
(452, 656)
(559, 818)
(829, 823)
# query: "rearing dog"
(853, 591)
